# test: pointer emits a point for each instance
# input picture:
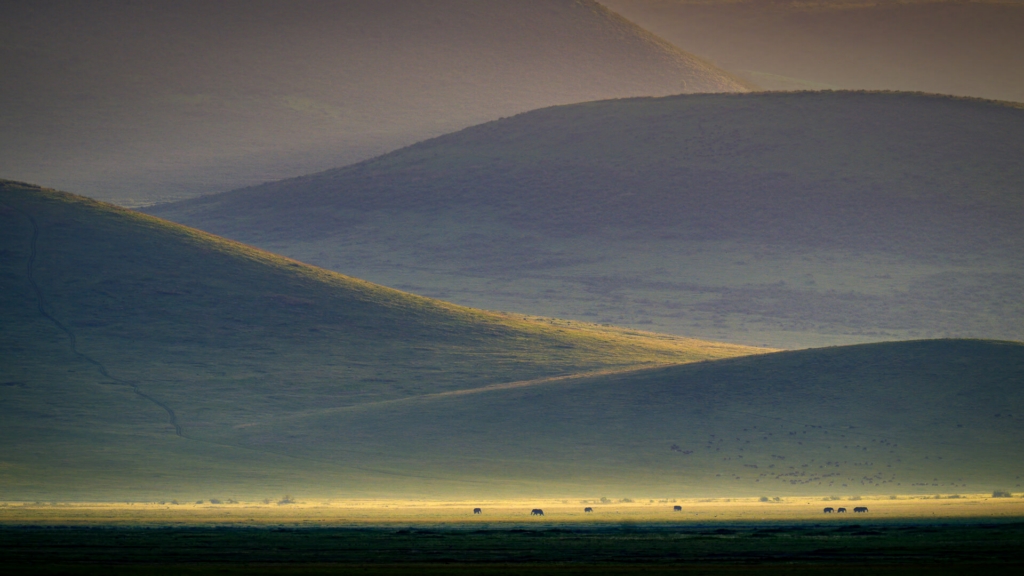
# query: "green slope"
(132, 348)
(919, 417)
(790, 219)
(170, 99)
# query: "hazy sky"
(142, 101)
(139, 102)
(947, 47)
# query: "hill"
(921, 417)
(789, 219)
(133, 349)
(964, 48)
(136, 103)
(146, 360)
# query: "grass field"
(898, 535)
(124, 336)
(789, 220)
(511, 514)
(894, 537)
(148, 361)
(915, 417)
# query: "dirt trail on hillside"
(41, 305)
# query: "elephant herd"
(857, 510)
(534, 512)
(588, 510)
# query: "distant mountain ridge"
(140, 102)
(787, 219)
(957, 47)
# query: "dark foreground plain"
(849, 547)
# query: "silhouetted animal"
(588, 509)
(477, 511)
(861, 509)
(677, 508)
(841, 511)
(536, 512)
(829, 510)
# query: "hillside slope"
(921, 417)
(136, 103)
(132, 347)
(959, 47)
(789, 219)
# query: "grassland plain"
(932, 534)
(837, 545)
(785, 219)
(170, 99)
(133, 348)
(512, 514)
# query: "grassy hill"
(133, 349)
(136, 103)
(959, 47)
(146, 360)
(920, 417)
(792, 220)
